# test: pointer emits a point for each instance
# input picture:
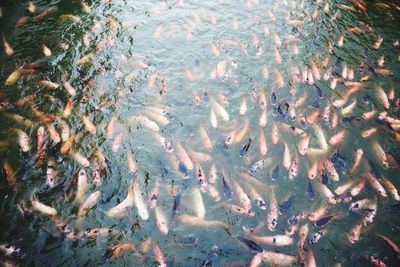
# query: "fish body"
(89, 203)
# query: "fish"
(219, 110)
(324, 220)
(327, 193)
(121, 208)
(262, 142)
(303, 144)
(24, 140)
(320, 137)
(144, 121)
(84, 162)
(42, 208)
(69, 88)
(89, 203)
(285, 206)
(132, 166)
(159, 255)
(274, 134)
(200, 174)
(196, 221)
(287, 161)
(7, 48)
(73, 18)
(391, 188)
(272, 215)
(13, 77)
(117, 141)
(274, 259)
(161, 221)
(337, 138)
(213, 118)
(374, 260)
(11, 179)
(294, 167)
(253, 246)
(227, 191)
(86, 58)
(197, 203)
(256, 166)
(243, 198)
(116, 250)
(276, 240)
(245, 148)
(243, 107)
(89, 126)
(82, 185)
(139, 201)
(354, 233)
(393, 246)
(302, 235)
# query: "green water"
(163, 39)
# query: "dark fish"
(109, 164)
(245, 148)
(287, 204)
(147, 178)
(365, 53)
(350, 119)
(209, 260)
(283, 109)
(273, 98)
(182, 169)
(227, 188)
(339, 162)
(316, 103)
(67, 183)
(324, 177)
(310, 191)
(186, 241)
(205, 96)
(275, 172)
(250, 244)
(323, 221)
(319, 91)
(177, 202)
(163, 171)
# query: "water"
(171, 43)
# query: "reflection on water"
(199, 133)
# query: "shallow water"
(172, 43)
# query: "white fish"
(140, 202)
(320, 136)
(81, 185)
(161, 220)
(213, 119)
(89, 203)
(219, 110)
(144, 121)
(132, 166)
(81, 159)
(46, 51)
(24, 140)
(197, 203)
(121, 208)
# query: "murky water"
(152, 73)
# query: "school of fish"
(275, 160)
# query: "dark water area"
(230, 131)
